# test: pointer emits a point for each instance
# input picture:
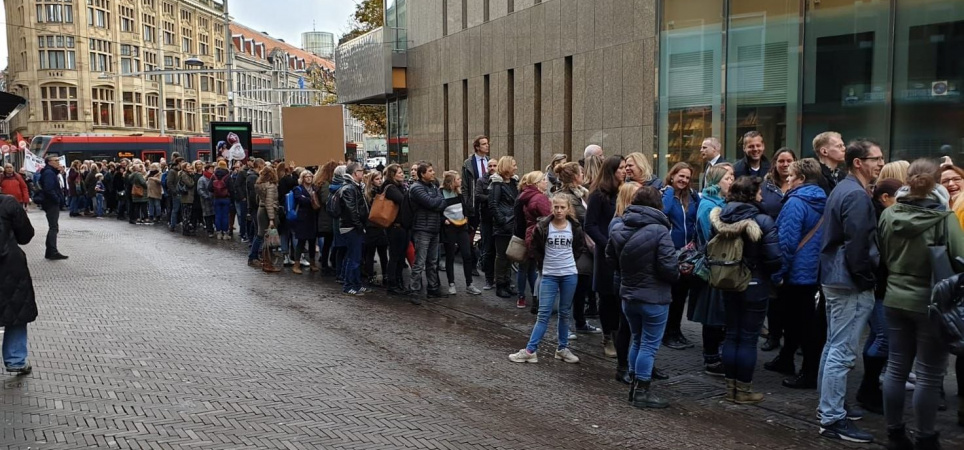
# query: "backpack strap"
(809, 235)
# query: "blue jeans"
(154, 208)
(565, 287)
(847, 315)
(426, 260)
(527, 272)
(15, 346)
(353, 256)
(876, 345)
(175, 211)
(647, 322)
(744, 314)
(222, 211)
(75, 205)
(241, 212)
(100, 205)
(256, 244)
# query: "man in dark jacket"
(427, 206)
(710, 152)
(485, 224)
(830, 150)
(257, 165)
(18, 306)
(173, 179)
(848, 261)
(351, 225)
(754, 162)
(473, 169)
(53, 197)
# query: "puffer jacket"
(427, 206)
(802, 210)
(268, 199)
(772, 198)
(683, 220)
(537, 247)
(761, 244)
(906, 230)
(324, 220)
(187, 180)
(354, 208)
(502, 195)
(18, 304)
(641, 250)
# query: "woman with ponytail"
(905, 232)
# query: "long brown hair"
(682, 195)
(388, 175)
(326, 172)
(606, 180)
(268, 175)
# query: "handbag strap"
(809, 235)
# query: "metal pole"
(229, 48)
(162, 102)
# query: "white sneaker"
(452, 290)
(523, 356)
(473, 290)
(288, 261)
(488, 286)
(567, 356)
(304, 261)
(573, 336)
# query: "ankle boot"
(931, 442)
(609, 348)
(745, 395)
(897, 439)
(645, 397)
(267, 261)
(296, 269)
(730, 390)
(313, 266)
(632, 390)
(622, 375)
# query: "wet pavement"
(147, 339)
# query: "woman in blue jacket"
(680, 203)
(800, 236)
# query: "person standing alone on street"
(848, 261)
(51, 198)
(18, 307)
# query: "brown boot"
(267, 261)
(313, 266)
(730, 390)
(296, 269)
(745, 395)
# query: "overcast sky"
(285, 19)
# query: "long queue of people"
(826, 247)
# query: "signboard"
(314, 135)
(231, 140)
(33, 163)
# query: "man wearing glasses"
(848, 262)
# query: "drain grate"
(693, 387)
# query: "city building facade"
(659, 76)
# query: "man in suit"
(710, 151)
(473, 169)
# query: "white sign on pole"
(31, 162)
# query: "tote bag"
(384, 211)
(516, 251)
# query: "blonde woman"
(376, 238)
(896, 170)
(502, 194)
(593, 167)
(534, 205)
(455, 233)
(267, 190)
(154, 193)
(640, 171)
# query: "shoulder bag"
(516, 251)
(384, 211)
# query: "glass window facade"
(790, 69)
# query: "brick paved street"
(147, 339)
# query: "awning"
(8, 103)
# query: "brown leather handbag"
(384, 211)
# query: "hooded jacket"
(427, 204)
(502, 195)
(906, 230)
(641, 250)
(761, 244)
(802, 210)
(535, 205)
(18, 305)
(848, 248)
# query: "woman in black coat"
(305, 226)
(502, 194)
(18, 306)
(599, 213)
(376, 237)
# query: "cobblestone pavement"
(147, 339)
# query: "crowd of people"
(826, 246)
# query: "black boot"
(644, 397)
(897, 439)
(931, 442)
(502, 291)
(622, 375)
(658, 374)
(534, 306)
(869, 395)
(781, 364)
(632, 389)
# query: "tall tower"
(321, 43)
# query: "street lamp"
(193, 61)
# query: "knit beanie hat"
(222, 164)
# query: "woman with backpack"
(680, 203)
(800, 238)
(532, 204)
(555, 243)
(305, 227)
(599, 213)
(220, 188)
(502, 195)
(743, 227)
(376, 238)
(906, 232)
(641, 250)
(707, 302)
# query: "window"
(149, 4)
(168, 33)
(207, 115)
(219, 85)
(203, 23)
(56, 52)
(152, 108)
(187, 44)
(130, 58)
(101, 57)
(54, 11)
(171, 62)
(133, 109)
(204, 45)
(169, 8)
(222, 113)
(102, 101)
(127, 19)
(150, 64)
(219, 50)
(173, 112)
(207, 83)
(98, 13)
(189, 81)
(150, 28)
(186, 15)
(59, 102)
(190, 114)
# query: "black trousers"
(457, 240)
(488, 252)
(712, 340)
(398, 239)
(623, 338)
(777, 314)
(680, 291)
(583, 288)
(325, 248)
(803, 331)
(610, 308)
(52, 210)
(300, 249)
(368, 260)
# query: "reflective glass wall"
(892, 70)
